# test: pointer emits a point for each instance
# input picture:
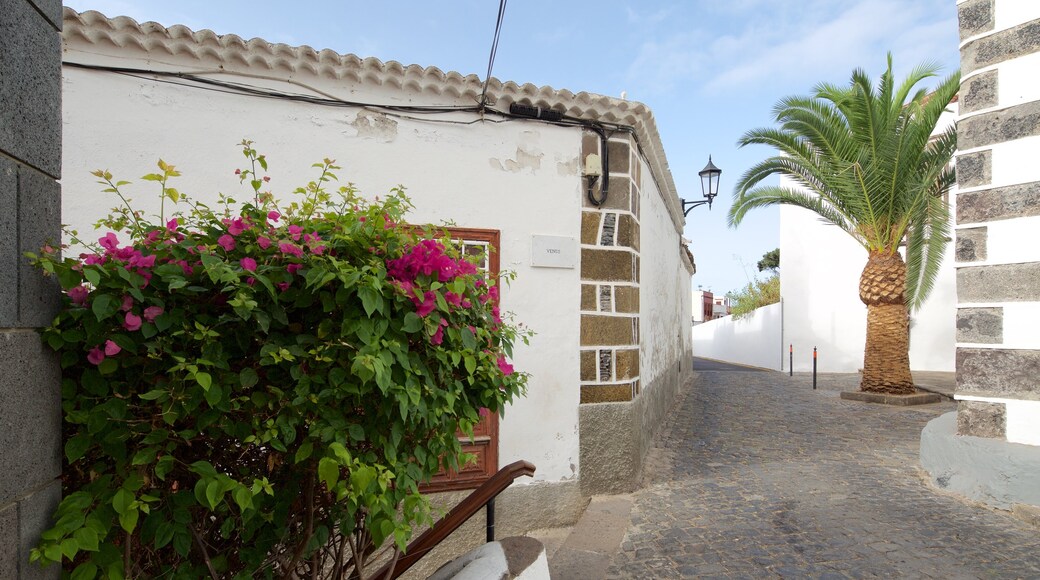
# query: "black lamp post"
(709, 187)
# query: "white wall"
(519, 177)
(664, 301)
(753, 340)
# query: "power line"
(494, 51)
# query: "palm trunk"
(886, 357)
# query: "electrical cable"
(494, 52)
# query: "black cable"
(494, 51)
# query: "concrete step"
(590, 546)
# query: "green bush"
(259, 392)
(754, 296)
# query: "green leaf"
(85, 571)
(371, 300)
(144, 456)
(362, 477)
(104, 306)
(248, 378)
(163, 534)
(69, 548)
(214, 395)
(204, 380)
(92, 276)
(304, 451)
(412, 323)
(471, 364)
(163, 466)
(328, 471)
(128, 520)
(76, 446)
(213, 494)
(87, 539)
(121, 501)
(243, 498)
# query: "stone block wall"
(30, 216)
(610, 277)
(998, 221)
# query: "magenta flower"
(92, 259)
(128, 303)
(248, 264)
(290, 249)
(505, 367)
(237, 226)
(152, 312)
(453, 299)
(95, 356)
(172, 225)
(318, 250)
(152, 237)
(109, 241)
(283, 286)
(78, 295)
(293, 268)
(227, 242)
(250, 280)
(273, 216)
(263, 242)
(111, 348)
(294, 232)
(426, 305)
(131, 322)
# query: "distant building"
(703, 306)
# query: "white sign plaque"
(554, 252)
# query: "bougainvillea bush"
(258, 390)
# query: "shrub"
(259, 392)
(754, 296)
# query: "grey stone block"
(999, 126)
(975, 169)
(980, 419)
(51, 9)
(9, 541)
(979, 92)
(975, 16)
(971, 244)
(619, 157)
(30, 413)
(998, 372)
(8, 243)
(1001, 283)
(995, 472)
(1022, 200)
(30, 117)
(39, 223)
(1001, 46)
(609, 456)
(981, 325)
(35, 514)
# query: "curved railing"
(458, 515)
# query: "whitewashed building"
(606, 287)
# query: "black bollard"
(814, 368)
(790, 360)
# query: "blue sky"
(709, 70)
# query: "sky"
(709, 70)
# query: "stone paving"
(758, 476)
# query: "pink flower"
(505, 367)
(263, 242)
(295, 231)
(95, 356)
(293, 268)
(438, 337)
(227, 242)
(362, 219)
(453, 299)
(152, 312)
(131, 321)
(152, 237)
(427, 305)
(172, 225)
(128, 303)
(237, 226)
(290, 249)
(273, 216)
(496, 314)
(484, 412)
(92, 259)
(266, 179)
(283, 286)
(248, 264)
(318, 250)
(109, 241)
(78, 295)
(250, 280)
(238, 172)
(111, 348)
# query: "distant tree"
(770, 261)
(865, 160)
(754, 296)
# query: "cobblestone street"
(758, 476)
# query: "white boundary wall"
(754, 340)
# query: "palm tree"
(867, 162)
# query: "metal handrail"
(458, 515)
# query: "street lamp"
(709, 187)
